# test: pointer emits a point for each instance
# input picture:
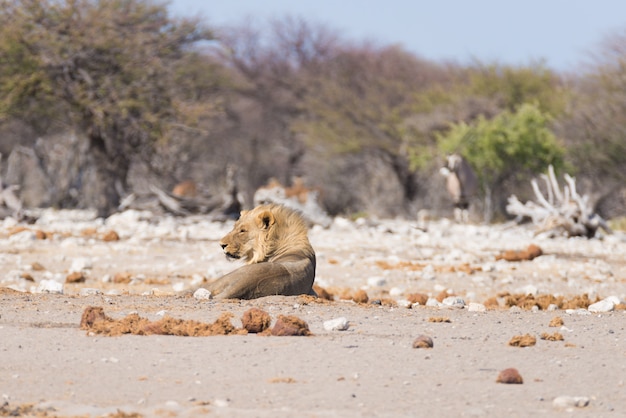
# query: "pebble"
(453, 302)
(605, 305)
(49, 286)
(376, 281)
(476, 307)
(337, 324)
(87, 291)
(202, 294)
(80, 264)
(570, 401)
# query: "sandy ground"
(49, 366)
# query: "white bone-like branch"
(546, 179)
(540, 198)
(555, 184)
(582, 206)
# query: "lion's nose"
(223, 246)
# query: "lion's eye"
(242, 231)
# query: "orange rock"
(290, 325)
(75, 277)
(509, 376)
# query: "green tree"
(513, 146)
(103, 66)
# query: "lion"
(273, 240)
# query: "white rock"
(476, 307)
(23, 237)
(161, 313)
(604, 305)
(433, 302)
(49, 286)
(403, 303)
(80, 264)
(202, 294)
(579, 311)
(570, 401)
(529, 290)
(615, 299)
(395, 291)
(87, 291)
(178, 287)
(376, 281)
(428, 273)
(337, 324)
(454, 302)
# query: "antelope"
(461, 184)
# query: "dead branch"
(563, 212)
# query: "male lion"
(280, 260)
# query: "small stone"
(476, 307)
(360, 296)
(604, 305)
(510, 376)
(80, 264)
(87, 291)
(122, 278)
(36, 266)
(75, 277)
(420, 298)
(202, 294)
(110, 236)
(337, 324)
(453, 302)
(570, 402)
(288, 325)
(423, 341)
(255, 320)
(50, 286)
(376, 281)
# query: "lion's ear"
(265, 219)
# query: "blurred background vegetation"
(100, 98)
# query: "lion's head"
(266, 233)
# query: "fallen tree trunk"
(563, 212)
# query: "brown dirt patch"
(95, 321)
(256, 320)
(557, 336)
(526, 340)
(531, 252)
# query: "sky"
(561, 33)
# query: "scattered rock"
(605, 305)
(122, 278)
(423, 341)
(337, 324)
(323, 293)
(533, 251)
(360, 296)
(36, 266)
(526, 340)
(453, 302)
(202, 294)
(87, 291)
(288, 325)
(75, 277)
(50, 286)
(255, 320)
(80, 264)
(476, 307)
(510, 376)
(110, 236)
(419, 298)
(570, 402)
